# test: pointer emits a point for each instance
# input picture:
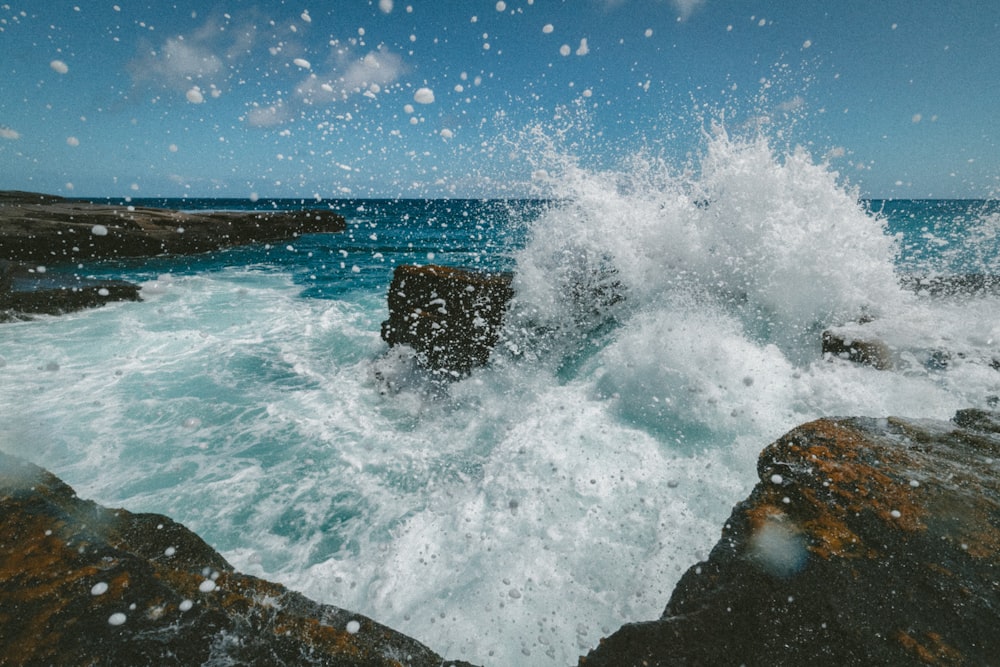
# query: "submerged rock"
(866, 542)
(85, 585)
(451, 317)
(48, 229)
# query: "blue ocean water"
(517, 515)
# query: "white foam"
(536, 505)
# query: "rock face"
(866, 542)
(450, 317)
(85, 585)
(25, 292)
(869, 352)
(47, 229)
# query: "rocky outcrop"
(85, 585)
(26, 290)
(866, 542)
(450, 317)
(45, 229)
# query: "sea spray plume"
(772, 240)
(783, 232)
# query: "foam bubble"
(59, 66)
(194, 95)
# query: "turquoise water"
(515, 516)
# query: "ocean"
(666, 327)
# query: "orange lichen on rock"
(932, 650)
(900, 524)
(836, 474)
(80, 584)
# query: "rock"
(47, 229)
(25, 291)
(81, 584)
(931, 339)
(866, 542)
(872, 352)
(451, 317)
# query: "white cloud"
(268, 116)
(9, 133)
(365, 76)
(183, 61)
(205, 57)
(686, 7)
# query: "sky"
(453, 98)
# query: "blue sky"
(388, 98)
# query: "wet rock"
(451, 317)
(48, 229)
(866, 542)
(871, 352)
(81, 584)
(25, 291)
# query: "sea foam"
(665, 328)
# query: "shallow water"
(666, 328)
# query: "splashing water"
(665, 328)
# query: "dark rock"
(450, 317)
(46, 229)
(871, 352)
(85, 585)
(866, 542)
(25, 291)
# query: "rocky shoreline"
(47, 229)
(866, 541)
(38, 231)
(82, 584)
